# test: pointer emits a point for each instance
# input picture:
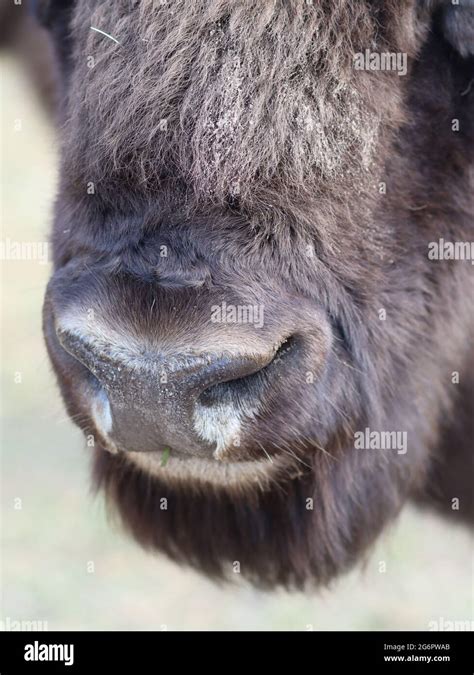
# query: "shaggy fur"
(239, 135)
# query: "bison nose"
(150, 400)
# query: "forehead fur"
(233, 98)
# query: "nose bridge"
(190, 371)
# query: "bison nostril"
(224, 408)
(241, 388)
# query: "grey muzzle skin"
(152, 404)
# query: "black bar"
(137, 652)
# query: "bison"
(262, 303)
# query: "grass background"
(49, 543)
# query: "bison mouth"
(178, 469)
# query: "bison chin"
(300, 531)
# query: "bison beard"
(266, 180)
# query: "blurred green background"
(53, 528)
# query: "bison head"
(241, 281)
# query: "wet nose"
(152, 400)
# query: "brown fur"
(265, 183)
